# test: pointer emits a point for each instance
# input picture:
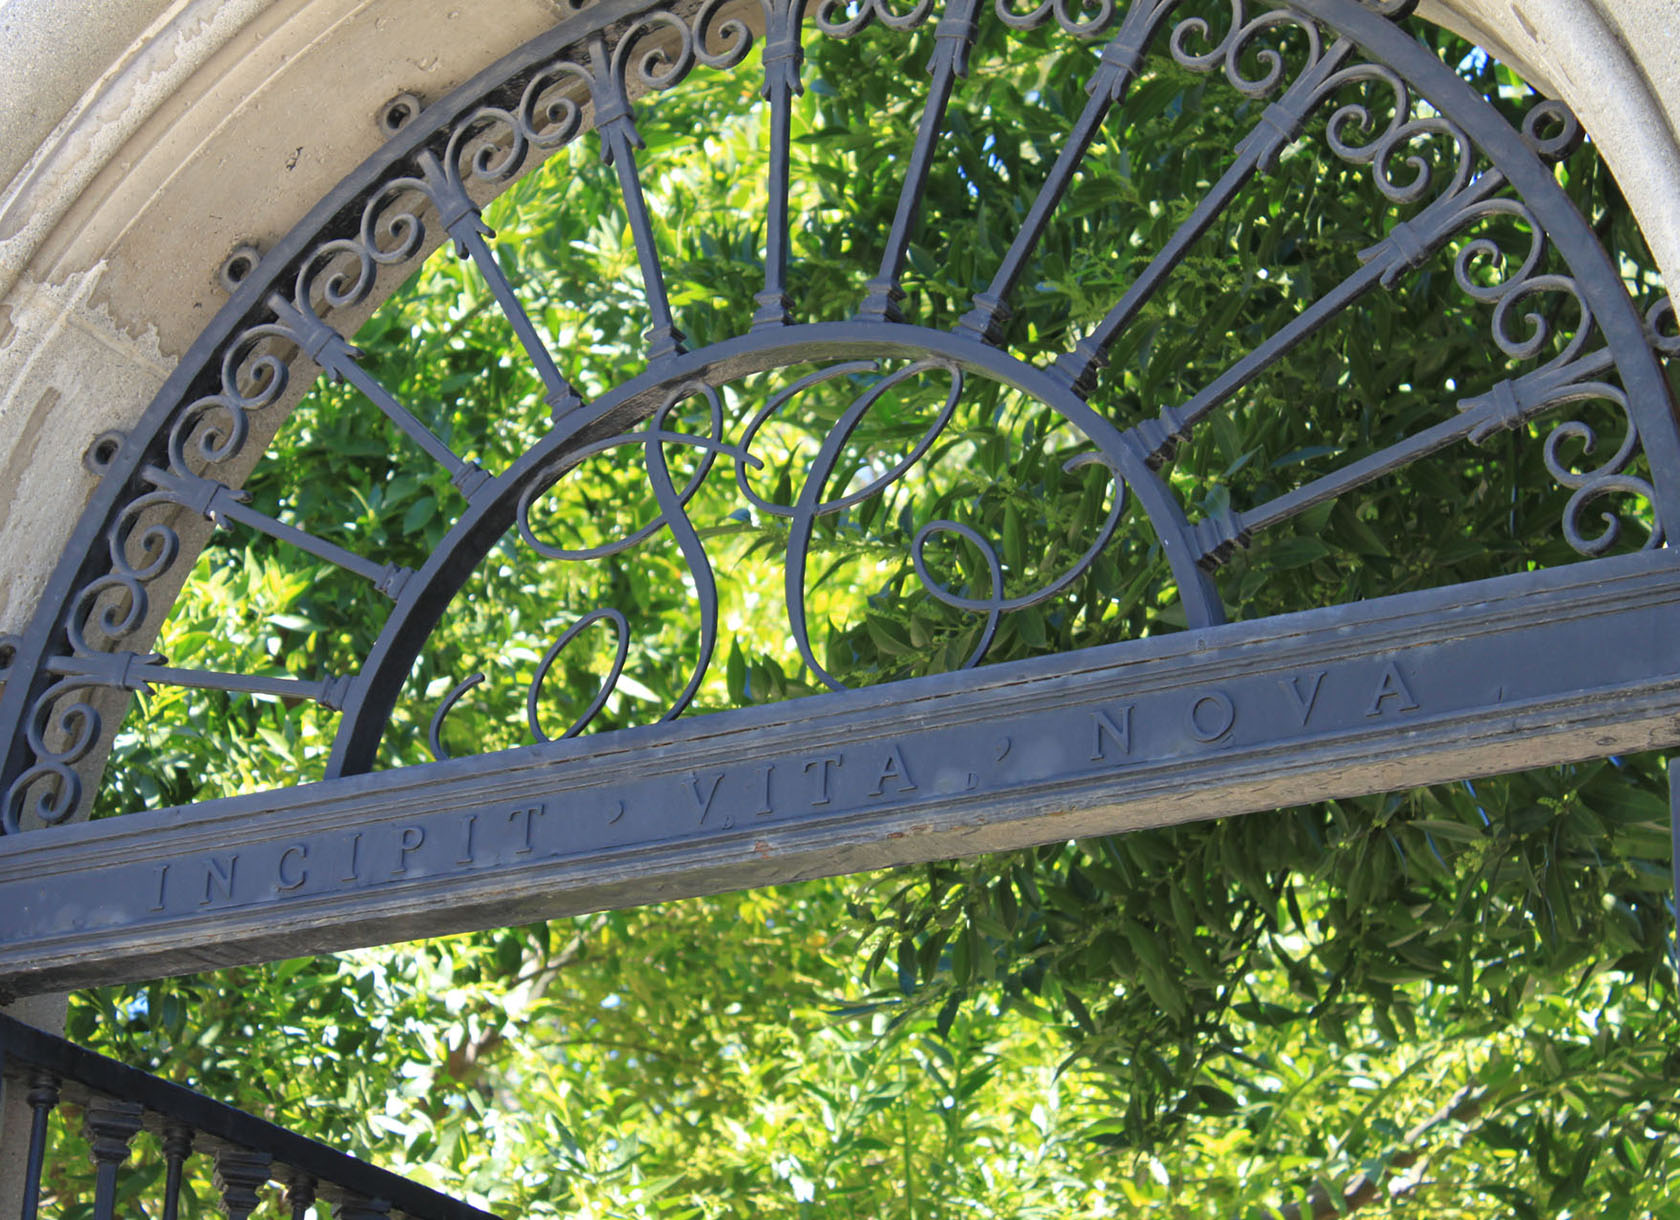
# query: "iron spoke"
(955, 38)
(1107, 87)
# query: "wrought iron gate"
(1217, 717)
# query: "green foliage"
(1459, 991)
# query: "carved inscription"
(219, 873)
(293, 870)
(468, 824)
(1212, 717)
(1392, 685)
(410, 840)
(1108, 737)
(1303, 692)
(1203, 724)
(353, 874)
(1107, 731)
(822, 766)
(526, 819)
(704, 803)
(894, 773)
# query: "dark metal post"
(300, 1194)
(177, 1146)
(240, 1174)
(42, 1097)
(110, 1127)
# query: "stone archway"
(121, 211)
(145, 139)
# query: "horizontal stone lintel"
(1524, 671)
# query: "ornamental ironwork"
(895, 763)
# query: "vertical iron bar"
(615, 121)
(1280, 124)
(1107, 87)
(42, 1097)
(177, 1146)
(466, 476)
(955, 38)
(110, 1127)
(240, 1174)
(561, 398)
(783, 56)
(1294, 332)
(386, 578)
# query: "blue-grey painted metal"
(1541, 668)
(69, 675)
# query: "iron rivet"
(397, 113)
(238, 265)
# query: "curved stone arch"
(291, 253)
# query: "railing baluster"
(955, 38)
(41, 1097)
(248, 1152)
(240, 1174)
(110, 1127)
(358, 1207)
(177, 1147)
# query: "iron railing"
(248, 1155)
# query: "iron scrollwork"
(1301, 69)
(811, 500)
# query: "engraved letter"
(1103, 725)
(218, 875)
(765, 808)
(893, 768)
(1303, 702)
(703, 804)
(163, 876)
(466, 856)
(827, 761)
(1212, 716)
(284, 883)
(412, 838)
(1392, 686)
(529, 814)
(355, 853)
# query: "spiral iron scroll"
(811, 503)
(1291, 60)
